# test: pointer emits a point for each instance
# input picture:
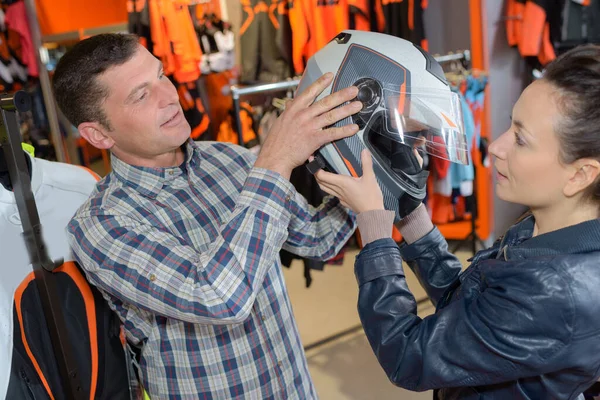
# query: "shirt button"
(288, 198)
(171, 172)
(279, 363)
(152, 277)
(264, 318)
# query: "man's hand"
(300, 130)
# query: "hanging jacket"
(265, 41)
(403, 19)
(27, 364)
(16, 20)
(361, 14)
(542, 29)
(520, 323)
(174, 39)
(314, 23)
(228, 130)
(138, 22)
(580, 23)
(193, 109)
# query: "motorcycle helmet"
(407, 103)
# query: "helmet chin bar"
(400, 164)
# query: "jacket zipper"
(27, 383)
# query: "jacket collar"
(150, 181)
(577, 239)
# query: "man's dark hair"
(78, 92)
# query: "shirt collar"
(150, 181)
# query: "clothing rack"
(462, 231)
(465, 57)
(237, 92)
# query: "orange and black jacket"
(193, 110)
(93, 329)
(538, 28)
(228, 128)
(96, 342)
(174, 39)
(265, 41)
(403, 19)
(315, 22)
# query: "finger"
(367, 163)
(418, 156)
(336, 133)
(328, 189)
(312, 92)
(333, 180)
(324, 177)
(337, 114)
(333, 100)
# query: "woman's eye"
(518, 139)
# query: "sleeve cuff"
(415, 225)
(376, 260)
(374, 225)
(269, 192)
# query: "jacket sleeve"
(147, 265)
(514, 328)
(435, 267)
(301, 34)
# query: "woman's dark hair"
(576, 75)
(78, 92)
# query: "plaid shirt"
(189, 259)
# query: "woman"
(523, 321)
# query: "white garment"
(225, 40)
(17, 70)
(59, 190)
(466, 188)
(5, 73)
(443, 186)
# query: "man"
(183, 238)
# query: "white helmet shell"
(407, 103)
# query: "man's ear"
(585, 173)
(96, 135)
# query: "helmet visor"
(428, 118)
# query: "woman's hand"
(358, 194)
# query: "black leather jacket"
(522, 322)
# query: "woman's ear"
(585, 174)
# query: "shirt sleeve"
(318, 232)
(153, 269)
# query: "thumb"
(367, 163)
